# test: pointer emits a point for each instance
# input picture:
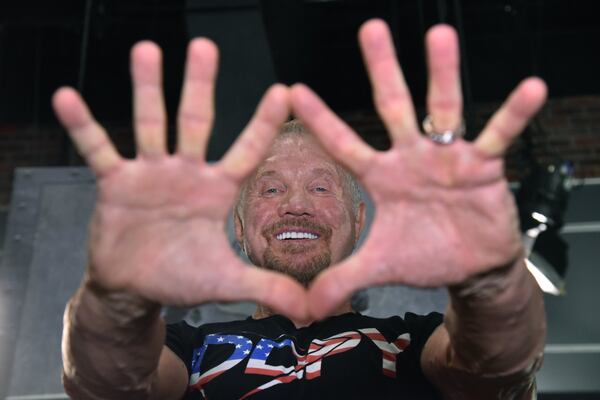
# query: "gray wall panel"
(580, 207)
(20, 244)
(570, 373)
(56, 269)
(572, 356)
(14, 268)
(575, 318)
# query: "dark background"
(86, 43)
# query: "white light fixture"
(556, 288)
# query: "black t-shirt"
(350, 356)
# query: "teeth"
(296, 235)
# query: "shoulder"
(423, 323)
(413, 327)
(410, 321)
(183, 329)
(196, 333)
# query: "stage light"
(542, 201)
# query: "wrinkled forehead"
(296, 151)
(293, 141)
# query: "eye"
(321, 186)
(321, 189)
(271, 191)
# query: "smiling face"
(296, 215)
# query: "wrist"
(493, 287)
(121, 311)
(496, 320)
(111, 343)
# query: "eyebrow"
(316, 171)
(267, 173)
(323, 171)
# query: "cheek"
(334, 212)
(257, 217)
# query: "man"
(444, 217)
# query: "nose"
(296, 203)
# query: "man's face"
(297, 216)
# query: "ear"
(239, 228)
(361, 217)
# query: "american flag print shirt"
(349, 356)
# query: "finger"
(196, 111)
(253, 143)
(390, 92)
(508, 122)
(148, 103)
(89, 137)
(444, 96)
(333, 133)
(334, 286)
(278, 292)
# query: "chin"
(303, 270)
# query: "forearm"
(492, 339)
(111, 345)
(496, 322)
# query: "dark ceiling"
(503, 41)
(46, 44)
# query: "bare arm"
(113, 349)
(492, 340)
(444, 217)
(172, 376)
(155, 217)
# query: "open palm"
(443, 213)
(158, 229)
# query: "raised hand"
(158, 229)
(443, 213)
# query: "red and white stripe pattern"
(257, 364)
(388, 350)
(311, 362)
(320, 349)
(308, 366)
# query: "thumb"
(278, 292)
(334, 286)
